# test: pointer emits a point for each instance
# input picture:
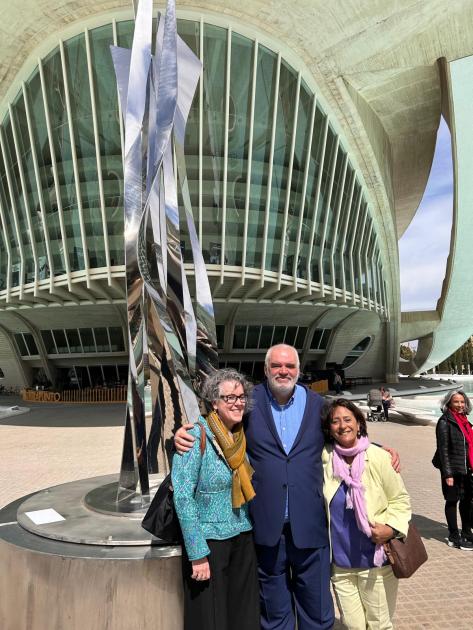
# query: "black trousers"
(386, 406)
(230, 599)
(460, 493)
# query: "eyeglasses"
(231, 398)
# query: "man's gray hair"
(211, 386)
(267, 358)
(445, 402)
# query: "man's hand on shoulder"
(395, 458)
(183, 440)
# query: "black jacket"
(452, 450)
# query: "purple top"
(351, 548)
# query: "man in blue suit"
(284, 443)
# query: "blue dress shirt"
(288, 419)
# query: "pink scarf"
(356, 491)
(467, 431)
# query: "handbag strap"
(203, 444)
(203, 438)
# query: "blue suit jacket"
(299, 474)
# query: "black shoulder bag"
(161, 518)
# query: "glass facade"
(26, 344)
(253, 370)
(82, 340)
(83, 376)
(356, 352)
(320, 339)
(262, 337)
(283, 198)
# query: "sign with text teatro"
(40, 395)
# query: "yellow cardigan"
(387, 501)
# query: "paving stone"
(56, 444)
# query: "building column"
(46, 364)
(392, 351)
(22, 369)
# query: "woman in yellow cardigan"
(367, 505)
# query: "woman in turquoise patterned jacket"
(211, 494)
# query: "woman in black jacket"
(454, 458)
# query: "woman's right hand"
(200, 570)
(183, 441)
(449, 481)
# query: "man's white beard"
(281, 388)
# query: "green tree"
(406, 353)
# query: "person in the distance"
(454, 458)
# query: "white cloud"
(420, 287)
(424, 247)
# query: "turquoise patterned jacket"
(203, 496)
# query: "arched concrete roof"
(455, 323)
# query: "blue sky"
(423, 248)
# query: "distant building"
(308, 149)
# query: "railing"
(353, 381)
(87, 395)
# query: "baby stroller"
(374, 401)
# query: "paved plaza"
(53, 444)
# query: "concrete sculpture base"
(89, 513)
(48, 584)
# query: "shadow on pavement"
(63, 415)
(432, 530)
(397, 417)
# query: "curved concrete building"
(308, 148)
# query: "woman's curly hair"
(211, 386)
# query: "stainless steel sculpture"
(171, 345)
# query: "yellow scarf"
(234, 450)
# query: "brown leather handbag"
(407, 554)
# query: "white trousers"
(366, 598)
